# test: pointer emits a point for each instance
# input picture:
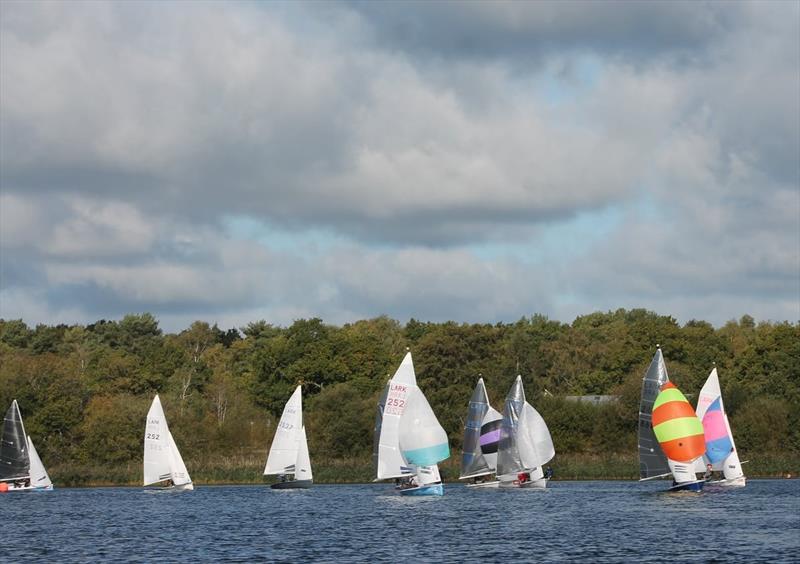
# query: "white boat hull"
(492, 484)
(176, 488)
(739, 482)
(29, 488)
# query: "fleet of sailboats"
(288, 456)
(505, 450)
(163, 463)
(21, 469)
(409, 441)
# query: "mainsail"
(652, 460)
(283, 453)
(389, 462)
(14, 459)
(481, 435)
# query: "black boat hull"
(292, 485)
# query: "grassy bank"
(248, 468)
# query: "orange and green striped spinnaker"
(676, 426)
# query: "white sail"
(525, 442)
(303, 464)
(428, 475)
(682, 472)
(422, 440)
(389, 460)
(162, 460)
(710, 397)
(178, 471)
(282, 456)
(535, 443)
(39, 477)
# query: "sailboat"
(21, 469)
(670, 434)
(720, 448)
(162, 460)
(409, 441)
(481, 437)
(288, 456)
(525, 443)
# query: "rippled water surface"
(586, 521)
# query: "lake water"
(585, 521)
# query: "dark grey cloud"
(528, 32)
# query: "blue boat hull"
(432, 489)
(688, 487)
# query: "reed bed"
(247, 468)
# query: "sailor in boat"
(548, 473)
(479, 479)
(523, 477)
(408, 482)
(709, 471)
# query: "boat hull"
(492, 484)
(428, 489)
(29, 489)
(739, 482)
(539, 484)
(696, 486)
(292, 485)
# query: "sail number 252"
(394, 406)
(153, 436)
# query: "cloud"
(377, 150)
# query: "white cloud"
(132, 131)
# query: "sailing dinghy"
(409, 441)
(481, 437)
(288, 456)
(670, 434)
(162, 460)
(720, 448)
(525, 443)
(21, 469)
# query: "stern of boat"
(427, 489)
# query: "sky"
(468, 161)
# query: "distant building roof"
(596, 400)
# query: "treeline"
(84, 391)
